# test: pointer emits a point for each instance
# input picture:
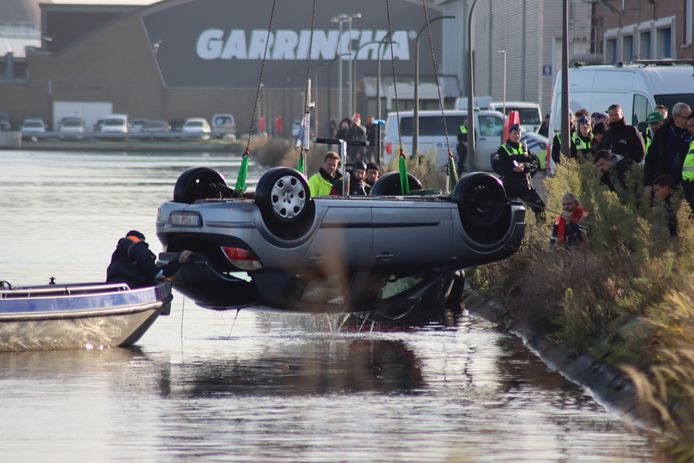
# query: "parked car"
(156, 126)
(177, 125)
(136, 125)
(5, 122)
(115, 123)
(197, 126)
(223, 126)
(32, 126)
(71, 127)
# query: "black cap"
(599, 128)
(515, 128)
(372, 165)
(359, 165)
(136, 234)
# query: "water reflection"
(318, 367)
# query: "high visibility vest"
(581, 144)
(688, 167)
(511, 151)
(462, 129)
(648, 139)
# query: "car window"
(490, 126)
(222, 120)
(118, 122)
(33, 124)
(432, 125)
(194, 124)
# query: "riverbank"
(624, 300)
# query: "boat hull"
(78, 316)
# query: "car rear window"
(223, 120)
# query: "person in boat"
(328, 176)
(133, 263)
(568, 231)
(358, 185)
(517, 164)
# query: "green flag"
(302, 163)
(404, 183)
(241, 180)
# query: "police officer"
(517, 165)
(582, 139)
(133, 263)
(655, 121)
(688, 167)
(556, 141)
(461, 148)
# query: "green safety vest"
(648, 139)
(688, 167)
(581, 145)
(462, 129)
(511, 151)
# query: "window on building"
(627, 47)
(611, 50)
(645, 45)
(664, 43)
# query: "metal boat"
(78, 316)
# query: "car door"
(409, 234)
(490, 127)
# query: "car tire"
(484, 209)
(199, 183)
(284, 200)
(389, 184)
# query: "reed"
(626, 297)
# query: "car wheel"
(284, 200)
(389, 184)
(199, 183)
(484, 209)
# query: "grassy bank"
(626, 297)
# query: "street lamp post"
(470, 90)
(352, 59)
(503, 52)
(330, 89)
(378, 77)
(341, 19)
(415, 137)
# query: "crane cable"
(243, 171)
(306, 121)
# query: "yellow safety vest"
(511, 151)
(462, 129)
(648, 139)
(581, 144)
(688, 167)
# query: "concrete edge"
(610, 387)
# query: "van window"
(528, 116)
(491, 126)
(641, 110)
(431, 125)
(670, 100)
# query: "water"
(202, 386)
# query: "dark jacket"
(616, 177)
(133, 263)
(666, 153)
(359, 188)
(624, 140)
(508, 160)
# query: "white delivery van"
(432, 141)
(637, 88)
(530, 113)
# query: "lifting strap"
(243, 171)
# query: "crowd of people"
(665, 149)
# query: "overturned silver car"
(280, 248)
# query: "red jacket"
(564, 232)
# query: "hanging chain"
(260, 77)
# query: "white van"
(530, 113)
(637, 88)
(115, 123)
(432, 142)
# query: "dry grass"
(626, 297)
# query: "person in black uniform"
(517, 165)
(133, 263)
